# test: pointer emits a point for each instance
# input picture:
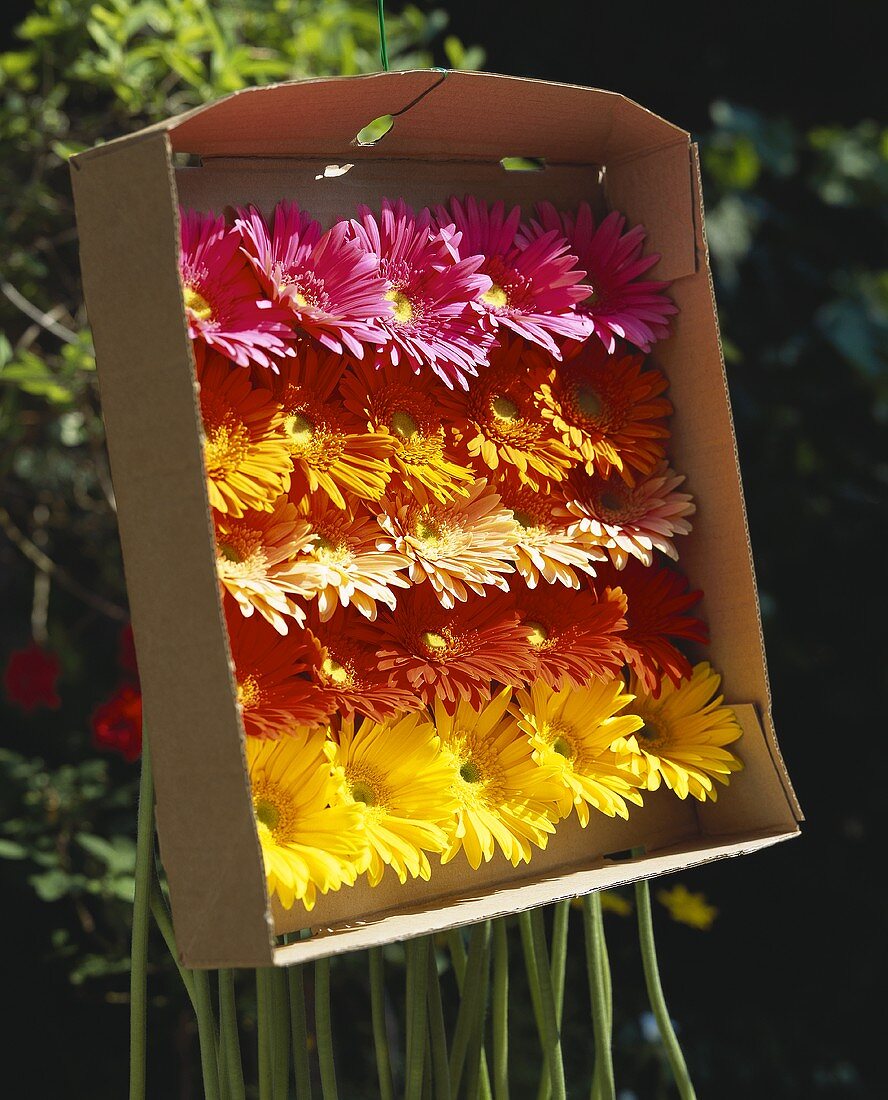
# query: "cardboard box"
(298, 141)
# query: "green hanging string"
(383, 44)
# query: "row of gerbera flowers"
(434, 289)
(338, 801)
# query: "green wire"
(299, 1031)
(437, 1032)
(139, 949)
(500, 1010)
(598, 971)
(380, 1037)
(324, 1030)
(383, 43)
(417, 1016)
(229, 1040)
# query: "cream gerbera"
(340, 564)
(505, 798)
(307, 844)
(631, 520)
(682, 736)
(458, 547)
(394, 775)
(572, 731)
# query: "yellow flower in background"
(572, 731)
(682, 736)
(307, 844)
(392, 775)
(505, 797)
(687, 908)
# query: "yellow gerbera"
(307, 843)
(572, 731)
(393, 776)
(682, 735)
(504, 796)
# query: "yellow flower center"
(434, 643)
(225, 446)
(496, 297)
(524, 519)
(275, 812)
(367, 786)
(504, 408)
(588, 401)
(537, 634)
(197, 305)
(268, 813)
(230, 553)
(333, 672)
(470, 772)
(248, 692)
(403, 425)
(301, 300)
(299, 429)
(564, 748)
(651, 735)
(403, 308)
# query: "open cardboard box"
(298, 141)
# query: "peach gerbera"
(458, 547)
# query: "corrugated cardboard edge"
(128, 219)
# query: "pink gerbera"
(224, 303)
(430, 319)
(535, 283)
(619, 302)
(332, 288)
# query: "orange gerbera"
(407, 410)
(340, 563)
(658, 612)
(498, 423)
(330, 450)
(631, 520)
(254, 560)
(451, 654)
(458, 547)
(245, 450)
(345, 668)
(547, 545)
(609, 409)
(273, 689)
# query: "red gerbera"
(271, 672)
(619, 302)
(224, 303)
(117, 723)
(332, 288)
(30, 678)
(659, 600)
(535, 283)
(451, 654)
(572, 641)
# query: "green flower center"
(403, 425)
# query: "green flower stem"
(655, 992)
(500, 1010)
(162, 919)
(230, 1068)
(417, 1015)
(299, 1032)
(476, 1037)
(440, 1067)
(598, 971)
(206, 1033)
(560, 926)
(139, 951)
(458, 959)
(280, 1023)
(324, 1030)
(264, 1035)
(472, 983)
(533, 937)
(380, 1037)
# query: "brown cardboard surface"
(449, 136)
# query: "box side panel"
(128, 226)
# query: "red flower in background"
(30, 678)
(117, 723)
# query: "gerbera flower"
(658, 612)
(329, 448)
(619, 302)
(458, 547)
(535, 284)
(608, 409)
(682, 736)
(504, 797)
(575, 639)
(117, 723)
(340, 564)
(345, 668)
(408, 411)
(431, 322)
(273, 689)
(572, 731)
(254, 560)
(245, 451)
(395, 776)
(631, 520)
(450, 654)
(307, 844)
(333, 289)
(498, 422)
(547, 545)
(224, 304)
(30, 678)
